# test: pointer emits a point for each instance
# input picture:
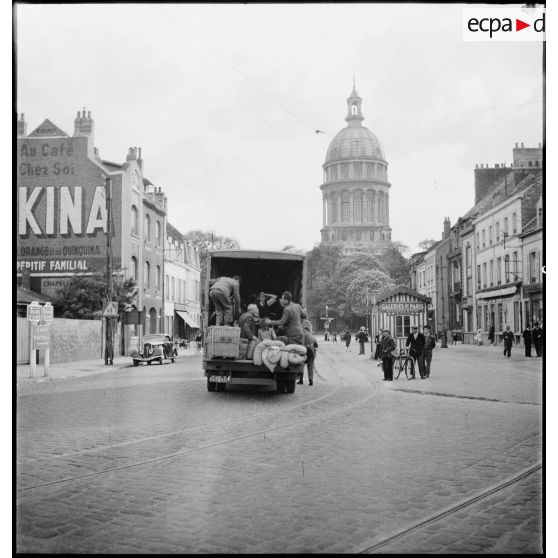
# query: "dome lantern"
(354, 115)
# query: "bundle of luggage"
(225, 342)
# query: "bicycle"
(406, 362)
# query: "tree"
(363, 284)
(360, 261)
(396, 265)
(206, 241)
(83, 296)
(292, 250)
(426, 244)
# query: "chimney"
(447, 227)
(83, 127)
(140, 160)
(522, 145)
(21, 126)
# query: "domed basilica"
(356, 190)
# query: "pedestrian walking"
(335, 337)
(429, 346)
(415, 342)
(450, 337)
(378, 341)
(478, 337)
(347, 338)
(199, 341)
(387, 355)
(311, 345)
(491, 335)
(537, 337)
(507, 336)
(527, 340)
(362, 338)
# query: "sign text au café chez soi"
(59, 224)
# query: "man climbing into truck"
(223, 293)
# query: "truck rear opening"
(270, 272)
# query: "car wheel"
(172, 359)
(136, 363)
(161, 362)
(211, 385)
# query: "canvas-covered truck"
(270, 272)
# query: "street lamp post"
(109, 330)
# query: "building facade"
(491, 272)
(355, 188)
(182, 286)
(62, 215)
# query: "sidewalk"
(74, 369)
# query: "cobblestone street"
(146, 460)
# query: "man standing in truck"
(223, 293)
(291, 321)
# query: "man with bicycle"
(415, 342)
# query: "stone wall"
(72, 340)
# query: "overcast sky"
(224, 101)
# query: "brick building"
(62, 214)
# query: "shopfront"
(398, 311)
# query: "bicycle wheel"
(409, 367)
(396, 368)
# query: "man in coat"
(387, 355)
(362, 338)
(291, 321)
(223, 293)
(415, 343)
(537, 337)
(507, 336)
(247, 323)
(527, 340)
(429, 346)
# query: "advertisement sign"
(402, 307)
(41, 337)
(61, 207)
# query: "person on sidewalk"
(347, 338)
(491, 335)
(362, 338)
(429, 346)
(478, 337)
(507, 336)
(527, 340)
(309, 341)
(387, 354)
(537, 337)
(415, 342)
(378, 341)
(223, 293)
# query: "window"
(490, 234)
(478, 276)
(402, 326)
(516, 326)
(506, 226)
(158, 279)
(147, 278)
(134, 268)
(507, 268)
(166, 287)
(469, 286)
(499, 270)
(497, 232)
(491, 272)
(500, 323)
(483, 238)
(358, 209)
(514, 223)
(134, 219)
(147, 226)
(534, 276)
(484, 275)
(477, 240)
(158, 232)
(346, 209)
(173, 291)
(515, 267)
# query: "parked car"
(156, 348)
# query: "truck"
(271, 272)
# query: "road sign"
(48, 313)
(110, 309)
(41, 337)
(326, 325)
(34, 312)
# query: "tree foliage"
(396, 265)
(206, 241)
(83, 296)
(363, 284)
(426, 244)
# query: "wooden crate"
(222, 342)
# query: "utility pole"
(109, 329)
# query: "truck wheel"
(290, 384)
(220, 386)
(281, 386)
(211, 385)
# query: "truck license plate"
(219, 379)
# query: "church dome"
(354, 142)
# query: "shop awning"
(187, 319)
(498, 292)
